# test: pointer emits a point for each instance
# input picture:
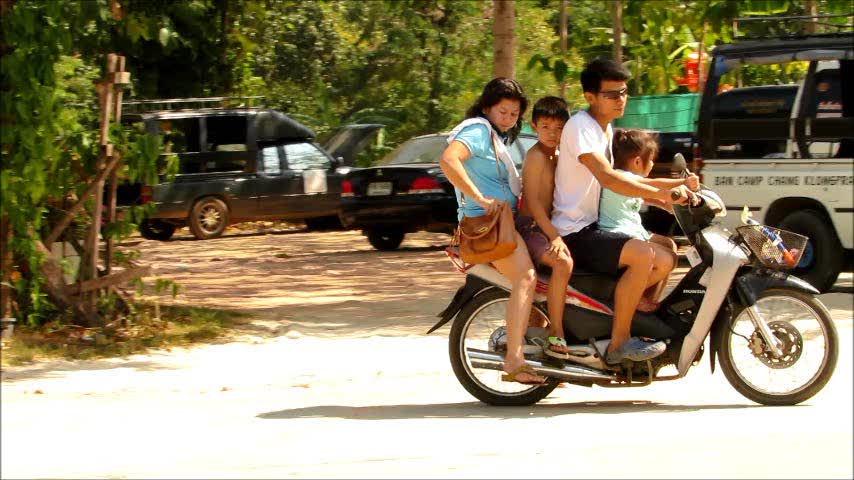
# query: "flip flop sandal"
(555, 342)
(511, 377)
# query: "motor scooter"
(775, 341)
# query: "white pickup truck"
(794, 171)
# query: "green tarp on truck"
(662, 113)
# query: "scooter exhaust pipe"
(493, 361)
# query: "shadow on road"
(479, 410)
(59, 368)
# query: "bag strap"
(497, 165)
(497, 169)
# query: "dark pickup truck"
(242, 164)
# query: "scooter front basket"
(773, 248)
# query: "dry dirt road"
(334, 378)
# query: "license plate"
(379, 188)
(693, 256)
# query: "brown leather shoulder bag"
(488, 237)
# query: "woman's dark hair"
(496, 90)
(629, 143)
(550, 107)
(602, 69)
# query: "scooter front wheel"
(809, 344)
(472, 328)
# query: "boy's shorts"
(535, 239)
(599, 251)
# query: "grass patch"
(148, 327)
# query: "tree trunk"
(6, 5)
(54, 285)
(434, 122)
(503, 39)
(617, 28)
(563, 36)
(6, 268)
(810, 7)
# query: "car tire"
(385, 240)
(822, 261)
(156, 230)
(208, 218)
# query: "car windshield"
(417, 150)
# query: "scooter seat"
(597, 285)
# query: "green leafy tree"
(48, 139)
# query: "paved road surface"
(332, 400)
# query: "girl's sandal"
(559, 342)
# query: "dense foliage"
(49, 138)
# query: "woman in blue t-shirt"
(469, 162)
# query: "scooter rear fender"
(474, 285)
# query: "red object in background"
(692, 67)
(425, 185)
(145, 194)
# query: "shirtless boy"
(533, 221)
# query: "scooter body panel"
(727, 259)
(583, 324)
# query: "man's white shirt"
(576, 193)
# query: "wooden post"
(117, 83)
(106, 97)
(105, 93)
(69, 215)
(111, 216)
(120, 79)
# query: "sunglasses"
(615, 94)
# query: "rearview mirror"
(679, 165)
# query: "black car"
(407, 192)
(241, 164)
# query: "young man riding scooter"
(585, 165)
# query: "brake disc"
(791, 345)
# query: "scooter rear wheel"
(472, 328)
